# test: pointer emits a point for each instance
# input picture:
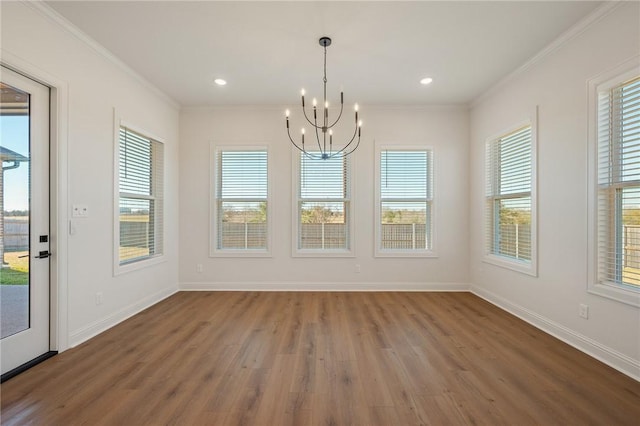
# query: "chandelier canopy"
(325, 148)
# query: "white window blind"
(324, 203)
(618, 209)
(140, 183)
(241, 199)
(406, 195)
(508, 196)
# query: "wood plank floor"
(248, 358)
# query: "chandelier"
(325, 147)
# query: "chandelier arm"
(292, 142)
(318, 139)
(355, 133)
(311, 156)
(339, 115)
(354, 148)
(345, 153)
(305, 116)
(315, 125)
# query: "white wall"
(96, 86)
(557, 84)
(443, 128)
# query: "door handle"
(43, 254)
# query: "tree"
(515, 216)
(631, 216)
(318, 214)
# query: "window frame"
(507, 262)
(214, 251)
(122, 268)
(296, 223)
(604, 82)
(431, 201)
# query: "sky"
(14, 135)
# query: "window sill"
(617, 293)
(323, 253)
(520, 266)
(406, 253)
(137, 265)
(239, 253)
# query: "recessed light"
(426, 80)
(220, 81)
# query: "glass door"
(24, 220)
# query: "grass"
(10, 276)
(17, 273)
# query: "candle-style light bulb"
(360, 123)
(315, 102)
(326, 104)
(302, 92)
(355, 107)
(286, 113)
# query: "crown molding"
(558, 43)
(62, 22)
(363, 107)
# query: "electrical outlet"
(99, 298)
(80, 210)
(584, 311)
(199, 267)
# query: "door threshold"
(27, 365)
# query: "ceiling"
(268, 51)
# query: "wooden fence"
(322, 236)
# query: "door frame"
(58, 195)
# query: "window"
(140, 184)
(323, 207)
(510, 207)
(617, 188)
(241, 207)
(404, 210)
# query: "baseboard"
(611, 357)
(85, 333)
(322, 286)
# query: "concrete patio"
(14, 309)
